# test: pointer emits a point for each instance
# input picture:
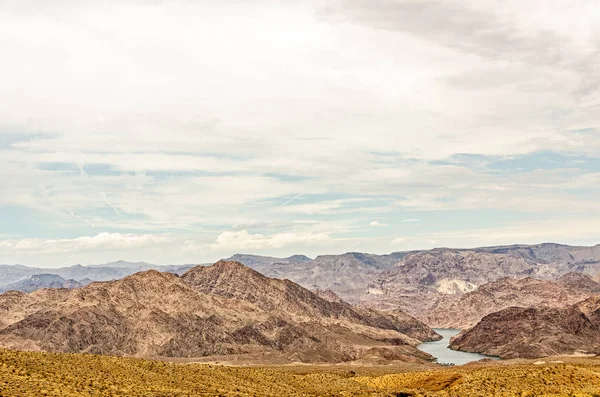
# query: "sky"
(187, 131)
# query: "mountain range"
(226, 309)
(470, 289)
(358, 277)
(39, 281)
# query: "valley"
(377, 313)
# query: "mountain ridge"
(223, 309)
(518, 332)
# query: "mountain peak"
(299, 258)
(233, 265)
(150, 276)
(222, 272)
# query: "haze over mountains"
(39, 281)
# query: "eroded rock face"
(347, 275)
(224, 309)
(536, 332)
(422, 281)
(447, 287)
(466, 310)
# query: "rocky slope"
(224, 309)
(346, 275)
(415, 281)
(464, 311)
(536, 332)
(422, 281)
(564, 257)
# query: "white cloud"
(101, 241)
(377, 224)
(204, 116)
(410, 220)
(398, 241)
(322, 207)
(242, 240)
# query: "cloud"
(471, 26)
(101, 241)
(377, 224)
(398, 241)
(291, 119)
(242, 240)
(410, 220)
(323, 207)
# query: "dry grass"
(573, 378)
(45, 374)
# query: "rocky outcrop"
(534, 332)
(466, 310)
(422, 281)
(224, 309)
(563, 256)
(346, 275)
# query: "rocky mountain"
(39, 281)
(536, 332)
(464, 311)
(125, 264)
(328, 295)
(224, 309)
(424, 280)
(346, 275)
(416, 281)
(10, 274)
(551, 253)
(264, 264)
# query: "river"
(444, 354)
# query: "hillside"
(346, 275)
(418, 282)
(385, 281)
(466, 310)
(224, 309)
(571, 258)
(424, 280)
(536, 332)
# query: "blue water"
(444, 354)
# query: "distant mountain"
(224, 309)
(347, 275)
(299, 258)
(416, 281)
(125, 264)
(423, 280)
(517, 332)
(467, 310)
(551, 253)
(39, 281)
(11, 274)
